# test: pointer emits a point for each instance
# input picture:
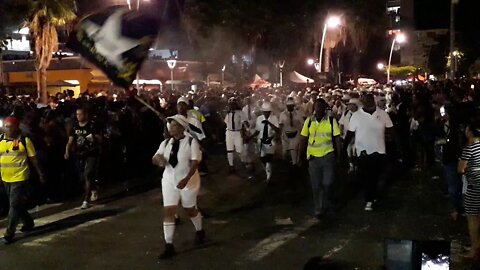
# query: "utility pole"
(452, 39)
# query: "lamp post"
(171, 64)
(400, 38)
(223, 74)
(281, 64)
(331, 22)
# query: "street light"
(331, 22)
(310, 62)
(223, 74)
(281, 64)
(380, 66)
(400, 38)
(171, 64)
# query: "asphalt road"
(249, 225)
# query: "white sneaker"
(85, 205)
(369, 207)
(94, 196)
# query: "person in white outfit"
(249, 143)
(180, 155)
(353, 105)
(291, 123)
(236, 122)
(267, 127)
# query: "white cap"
(182, 120)
(355, 101)
(346, 97)
(266, 107)
(183, 99)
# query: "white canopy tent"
(299, 78)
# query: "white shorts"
(172, 195)
(266, 149)
(290, 144)
(234, 141)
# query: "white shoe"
(94, 196)
(85, 205)
(369, 207)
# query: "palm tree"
(44, 17)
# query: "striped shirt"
(14, 160)
(471, 154)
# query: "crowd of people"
(84, 141)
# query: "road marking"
(270, 244)
(344, 243)
(42, 241)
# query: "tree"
(43, 17)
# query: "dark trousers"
(455, 184)
(17, 194)
(370, 167)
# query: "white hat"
(182, 120)
(183, 99)
(346, 97)
(290, 101)
(355, 101)
(266, 107)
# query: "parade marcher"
(236, 123)
(16, 153)
(267, 128)
(248, 142)
(320, 138)
(469, 165)
(85, 137)
(290, 126)
(180, 155)
(369, 126)
(353, 105)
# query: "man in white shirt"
(180, 155)
(352, 106)
(235, 121)
(369, 126)
(267, 128)
(290, 125)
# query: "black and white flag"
(116, 40)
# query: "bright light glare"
(380, 66)
(400, 38)
(310, 62)
(333, 21)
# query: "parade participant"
(322, 135)
(353, 105)
(86, 138)
(248, 142)
(469, 165)
(290, 126)
(266, 129)
(180, 155)
(235, 121)
(16, 153)
(192, 112)
(369, 126)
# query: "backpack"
(331, 125)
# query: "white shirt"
(260, 126)
(345, 122)
(238, 118)
(186, 153)
(290, 126)
(370, 130)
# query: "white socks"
(230, 158)
(268, 169)
(168, 231)
(197, 222)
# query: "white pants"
(234, 141)
(172, 195)
(291, 145)
(266, 149)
